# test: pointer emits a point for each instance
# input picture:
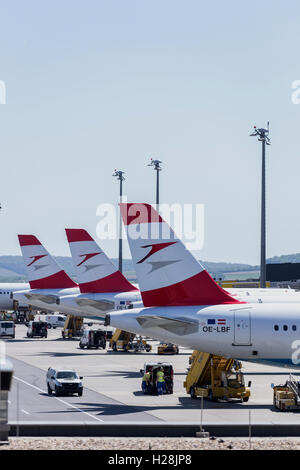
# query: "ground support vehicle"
(287, 397)
(37, 328)
(120, 340)
(167, 348)
(153, 368)
(7, 329)
(53, 321)
(73, 327)
(93, 339)
(216, 377)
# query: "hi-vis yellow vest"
(146, 377)
(160, 376)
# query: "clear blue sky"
(98, 85)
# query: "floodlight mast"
(119, 175)
(157, 167)
(263, 137)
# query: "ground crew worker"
(160, 381)
(145, 381)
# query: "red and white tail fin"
(42, 269)
(168, 274)
(95, 272)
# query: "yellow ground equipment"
(216, 377)
(29, 315)
(125, 341)
(120, 340)
(167, 348)
(73, 327)
(192, 357)
(287, 397)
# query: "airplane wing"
(47, 299)
(102, 305)
(179, 326)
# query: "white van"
(53, 321)
(7, 328)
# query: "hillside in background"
(12, 268)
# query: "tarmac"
(112, 391)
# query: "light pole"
(262, 135)
(157, 167)
(119, 175)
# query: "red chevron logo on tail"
(35, 258)
(155, 247)
(88, 256)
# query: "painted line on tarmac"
(59, 399)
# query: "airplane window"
(294, 328)
(285, 327)
(276, 327)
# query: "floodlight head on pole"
(119, 174)
(262, 134)
(155, 164)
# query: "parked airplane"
(47, 280)
(7, 290)
(102, 287)
(183, 304)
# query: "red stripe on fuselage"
(200, 289)
(115, 282)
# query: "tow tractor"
(73, 327)
(216, 377)
(287, 397)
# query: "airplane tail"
(168, 274)
(42, 269)
(95, 272)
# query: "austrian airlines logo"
(87, 257)
(154, 249)
(35, 258)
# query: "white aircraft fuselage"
(257, 332)
(71, 301)
(44, 298)
(7, 290)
